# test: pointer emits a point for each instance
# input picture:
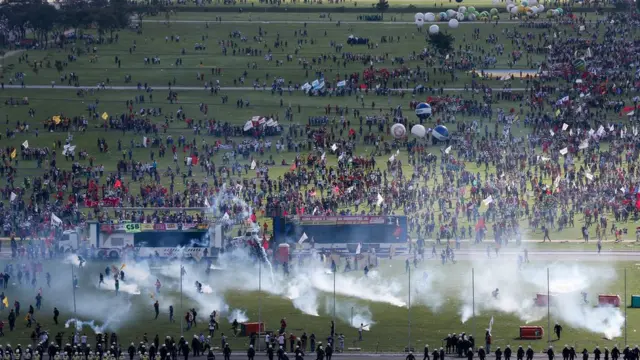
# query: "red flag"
(118, 184)
(480, 224)
(293, 167)
(194, 160)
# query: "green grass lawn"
(132, 315)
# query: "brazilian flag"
(580, 64)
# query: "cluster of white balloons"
(453, 17)
(526, 7)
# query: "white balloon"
(419, 130)
(472, 17)
(429, 17)
(462, 9)
(453, 23)
(533, 2)
(460, 16)
(540, 8)
(509, 7)
(419, 16)
(434, 29)
(534, 9)
(514, 10)
(451, 13)
(398, 131)
(419, 23)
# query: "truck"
(144, 240)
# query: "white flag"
(253, 165)
(303, 238)
(13, 196)
(225, 217)
(334, 147)
(25, 144)
(565, 127)
(359, 248)
(635, 131)
(446, 151)
(393, 157)
(380, 200)
(144, 141)
(564, 151)
(55, 221)
(552, 133)
(601, 131)
(570, 132)
(206, 202)
(584, 144)
(589, 176)
(324, 155)
(488, 200)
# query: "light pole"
(473, 298)
(73, 283)
(625, 306)
(181, 308)
(334, 295)
(259, 301)
(548, 311)
(409, 310)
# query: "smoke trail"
(303, 296)
(80, 324)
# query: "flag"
(56, 119)
(55, 221)
(225, 217)
(303, 238)
(25, 144)
(117, 184)
(480, 224)
(392, 158)
(114, 269)
(551, 131)
(324, 155)
(253, 164)
(144, 141)
(206, 202)
(5, 301)
(565, 127)
(194, 160)
(293, 167)
(14, 153)
(380, 200)
(488, 200)
(564, 151)
(105, 116)
(446, 151)
(584, 144)
(336, 190)
(359, 248)
(334, 147)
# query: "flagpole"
(73, 283)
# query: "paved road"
(179, 88)
(237, 354)
(555, 255)
(350, 22)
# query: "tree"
(442, 42)
(147, 8)
(382, 5)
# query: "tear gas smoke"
(346, 309)
(237, 314)
(518, 288)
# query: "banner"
(187, 226)
(146, 227)
(159, 227)
(132, 227)
(171, 227)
